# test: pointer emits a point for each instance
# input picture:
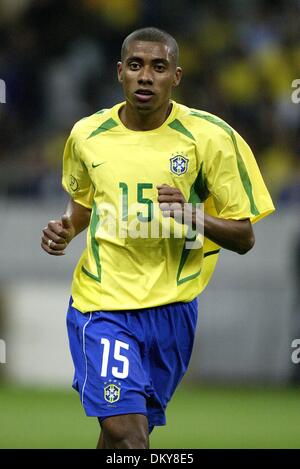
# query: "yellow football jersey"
(129, 261)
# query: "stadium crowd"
(58, 61)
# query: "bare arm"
(59, 233)
(78, 215)
(235, 235)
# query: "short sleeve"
(234, 180)
(75, 179)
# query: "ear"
(119, 70)
(177, 76)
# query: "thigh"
(115, 382)
(75, 326)
(170, 353)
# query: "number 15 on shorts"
(120, 371)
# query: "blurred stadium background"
(58, 61)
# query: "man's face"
(148, 73)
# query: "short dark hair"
(152, 35)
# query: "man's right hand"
(57, 235)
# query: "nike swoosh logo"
(95, 165)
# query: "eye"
(160, 67)
(134, 66)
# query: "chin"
(146, 107)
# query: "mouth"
(144, 95)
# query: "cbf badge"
(179, 164)
(112, 392)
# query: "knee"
(120, 436)
(132, 441)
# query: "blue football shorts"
(131, 361)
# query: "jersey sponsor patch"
(179, 164)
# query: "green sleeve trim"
(179, 127)
(240, 163)
(104, 127)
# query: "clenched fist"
(57, 235)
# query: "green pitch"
(198, 417)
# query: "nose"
(145, 77)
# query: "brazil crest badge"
(179, 164)
(112, 393)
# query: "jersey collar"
(115, 115)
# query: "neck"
(135, 119)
